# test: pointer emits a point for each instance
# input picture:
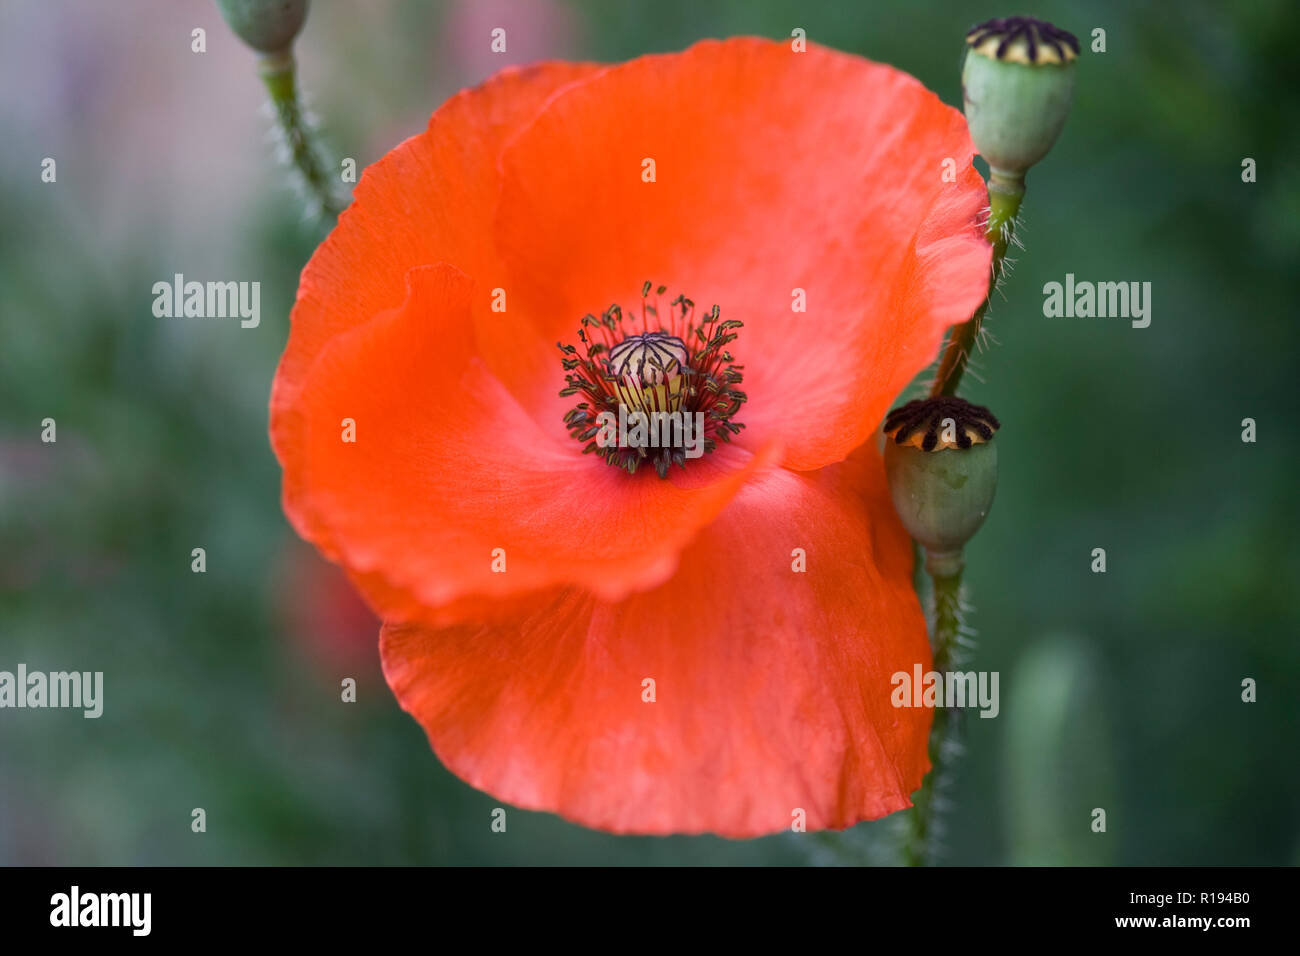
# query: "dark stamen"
(929, 414)
(1035, 33)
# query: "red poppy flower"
(531, 591)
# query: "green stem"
(278, 73)
(945, 572)
(1005, 194)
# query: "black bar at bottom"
(440, 906)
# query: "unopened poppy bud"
(268, 26)
(1017, 84)
(942, 467)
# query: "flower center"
(654, 389)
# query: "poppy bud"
(268, 26)
(1017, 84)
(942, 468)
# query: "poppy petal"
(776, 176)
(424, 202)
(772, 688)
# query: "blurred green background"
(1120, 690)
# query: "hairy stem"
(304, 155)
(1004, 204)
(949, 626)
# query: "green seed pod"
(942, 466)
(1017, 84)
(268, 26)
